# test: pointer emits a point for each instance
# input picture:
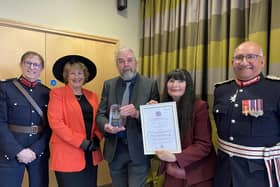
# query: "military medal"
(252, 107)
(245, 107)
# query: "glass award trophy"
(115, 116)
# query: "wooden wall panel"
(14, 42)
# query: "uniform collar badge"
(233, 98)
(27, 83)
(247, 83)
(252, 107)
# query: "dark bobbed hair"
(186, 102)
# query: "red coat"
(68, 130)
(198, 155)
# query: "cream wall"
(94, 17)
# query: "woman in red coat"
(74, 143)
(194, 166)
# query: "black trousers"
(85, 178)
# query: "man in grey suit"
(123, 147)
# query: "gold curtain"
(200, 36)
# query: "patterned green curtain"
(200, 36)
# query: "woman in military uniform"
(24, 132)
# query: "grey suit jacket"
(144, 90)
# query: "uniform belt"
(268, 154)
(34, 129)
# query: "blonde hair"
(74, 66)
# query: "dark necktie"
(125, 99)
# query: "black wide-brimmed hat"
(60, 63)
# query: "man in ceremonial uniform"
(24, 132)
(247, 115)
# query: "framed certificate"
(160, 128)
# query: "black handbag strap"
(28, 97)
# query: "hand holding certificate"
(160, 128)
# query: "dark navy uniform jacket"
(15, 109)
(235, 127)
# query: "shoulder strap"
(28, 97)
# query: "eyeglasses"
(122, 60)
(29, 64)
(248, 57)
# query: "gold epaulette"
(223, 82)
(271, 77)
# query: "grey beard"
(128, 75)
